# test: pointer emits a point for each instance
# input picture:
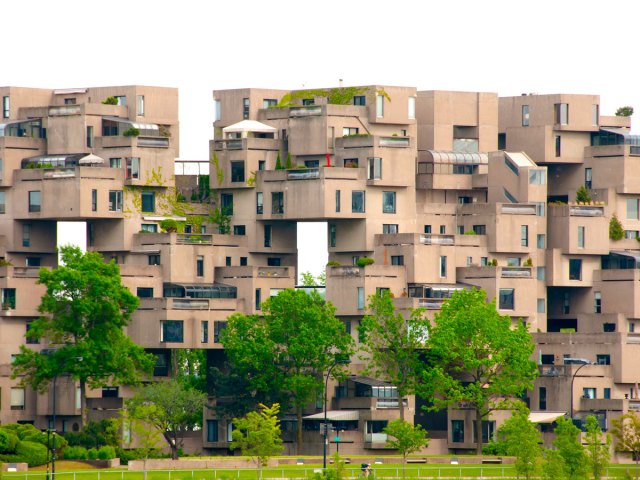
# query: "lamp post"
(571, 393)
(336, 362)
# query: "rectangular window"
(502, 141)
(267, 235)
(332, 235)
(227, 261)
(5, 107)
(488, 430)
(603, 359)
(608, 327)
(149, 227)
(457, 431)
(540, 206)
(115, 162)
(172, 331)
(360, 100)
(115, 200)
(153, 259)
(561, 113)
(245, 108)
(212, 430)
(511, 166)
(513, 261)
(94, 200)
(262, 165)
(443, 266)
(542, 398)
(427, 229)
(558, 146)
(26, 234)
(337, 201)
(133, 168)
(33, 261)
(226, 203)
(308, 101)
(581, 231)
(632, 208)
(588, 178)
(524, 235)
(597, 302)
(589, 392)
(374, 168)
(541, 305)
(606, 393)
(397, 259)
(148, 201)
(347, 131)
(217, 110)
(243, 261)
(140, 105)
(412, 108)
(357, 201)
(237, 171)
(506, 299)
(390, 228)
(258, 299)
(89, 136)
(259, 203)
(595, 115)
(34, 201)
(29, 339)
(274, 261)
(525, 115)
(3, 204)
(460, 229)
(540, 240)
(575, 269)
(360, 298)
(379, 106)
(351, 163)
(541, 273)
(566, 303)
(464, 199)
(537, 177)
(204, 331)
(144, 292)
(388, 202)
(480, 229)
(239, 230)
(121, 100)
(443, 229)
(484, 261)
(8, 298)
(200, 266)
(17, 399)
(277, 202)
(269, 102)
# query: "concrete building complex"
(444, 190)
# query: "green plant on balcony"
(616, 231)
(169, 225)
(365, 261)
(333, 263)
(528, 262)
(493, 262)
(583, 195)
(110, 101)
(5, 263)
(289, 161)
(131, 132)
(278, 162)
(251, 181)
(470, 232)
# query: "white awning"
(335, 415)
(249, 126)
(545, 417)
(91, 159)
(521, 159)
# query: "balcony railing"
(435, 239)
(516, 272)
(402, 142)
(184, 304)
(194, 239)
(431, 303)
(234, 144)
(264, 272)
(26, 272)
(303, 174)
(305, 111)
(586, 211)
(158, 142)
(346, 271)
(518, 209)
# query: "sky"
(508, 47)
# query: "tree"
(257, 435)
(522, 440)
(289, 163)
(626, 430)
(583, 195)
(278, 162)
(553, 467)
(568, 445)
(408, 439)
(189, 367)
(146, 439)
(290, 348)
(393, 344)
(308, 280)
(598, 448)
(169, 407)
(84, 311)
(476, 356)
(616, 230)
(624, 111)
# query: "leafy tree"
(626, 430)
(278, 162)
(257, 435)
(146, 439)
(522, 440)
(84, 311)
(583, 195)
(169, 407)
(568, 445)
(477, 357)
(308, 280)
(553, 467)
(393, 344)
(598, 448)
(616, 231)
(289, 348)
(189, 367)
(289, 163)
(408, 439)
(624, 111)
(96, 434)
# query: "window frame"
(507, 299)
(148, 202)
(237, 171)
(389, 202)
(115, 203)
(35, 201)
(355, 203)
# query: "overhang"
(335, 415)
(545, 417)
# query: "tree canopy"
(626, 111)
(407, 439)
(598, 448)
(522, 440)
(570, 448)
(84, 311)
(477, 357)
(626, 430)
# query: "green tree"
(522, 440)
(278, 162)
(624, 111)
(289, 161)
(477, 356)
(308, 280)
(626, 430)
(257, 435)
(616, 231)
(290, 347)
(553, 467)
(393, 345)
(598, 448)
(568, 445)
(190, 367)
(583, 195)
(137, 432)
(170, 408)
(408, 439)
(84, 311)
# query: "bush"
(131, 132)
(616, 232)
(8, 441)
(92, 453)
(583, 195)
(107, 452)
(333, 263)
(95, 434)
(364, 261)
(110, 101)
(169, 225)
(75, 453)
(32, 453)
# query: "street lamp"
(571, 393)
(337, 361)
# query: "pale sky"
(509, 47)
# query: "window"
(346, 131)
(524, 235)
(217, 110)
(94, 200)
(204, 331)
(3, 203)
(427, 229)
(484, 261)
(488, 430)
(541, 305)
(443, 266)
(212, 430)
(200, 266)
(513, 261)
(374, 168)
(357, 201)
(443, 229)
(237, 171)
(457, 431)
(354, 259)
(8, 298)
(540, 240)
(226, 203)
(332, 235)
(149, 227)
(115, 163)
(154, 259)
(575, 269)
(597, 302)
(172, 331)
(218, 327)
(17, 396)
(258, 299)
(542, 398)
(34, 201)
(390, 228)
(412, 108)
(525, 115)
(460, 229)
(541, 273)
(595, 114)
(351, 163)
(603, 359)
(469, 261)
(502, 141)
(397, 259)
(360, 298)
(227, 261)
(337, 201)
(388, 202)
(558, 146)
(5, 107)
(239, 230)
(122, 100)
(274, 261)
(506, 299)
(243, 261)
(561, 113)
(267, 235)
(606, 393)
(359, 100)
(245, 108)
(115, 200)
(566, 303)
(269, 102)
(581, 231)
(463, 199)
(308, 101)
(588, 178)
(144, 292)
(26, 234)
(148, 201)
(262, 165)
(259, 202)
(537, 177)
(89, 136)
(632, 209)
(608, 327)
(133, 168)
(277, 202)
(589, 392)
(33, 261)
(379, 106)
(140, 105)
(511, 166)
(480, 229)
(540, 206)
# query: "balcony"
(249, 143)
(518, 209)
(346, 271)
(435, 239)
(303, 174)
(190, 239)
(515, 272)
(372, 141)
(305, 111)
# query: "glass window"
(140, 105)
(237, 171)
(262, 165)
(374, 168)
(358, 201)
(227, 261)
(540, 240)
(506, 299)
(558, 146)
(604, 359)
(200, 266)
(606, 393)
(359, 100)
(388, 202)
(144, 292)
(212, 430)
(274, 261)
(34, 201)
(427, 229)
(337, 201)
(542, 398)
(379, 105)
(149, 227)
(561, 111)
(397, 259)
(540, 206)
(541, 305)
(484, 261)
(258, 299)
(6, 107)
(332, 235)
(122, 100)
(204, 331)
(488, 430)
(457, 431)
(575, 269)
(360, 298)
(239, 230)
(443, 229)
(269, 102)
(480, 229)
(348, 131)
(597, 302)
(115, 163)
(226, 203)
(588, 178)
(148, 201)
(26, 234)
(589, 392)
(632, 208)
(133, 168)
(525, 115)
(390, 228)
(581, 231)
(153, 259)
(595, 114)
(267, 235)
(115, 200)
(89, 136)
(8, 298)
(541, 273)
(412, 108)
(537, 177)
(94, 200)
(172, 331)
(17, 399)
(277, 202)
(243, 261)
(3, 205)
(259, 202)
(245, 108)
(513, 261)
(524, 235)
(443, 266)
(217, 110)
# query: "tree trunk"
(401, 406)
(299, 430)
(144, 467)
(404, 465)
(83, 403)
(478, 432)
(173, 445)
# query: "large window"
(259, 202)
(360, 100)
(269, 102)
(172, 331)
(575, 269)
(115, 200)
(537, 177)
(34, 201)
(277, 202)
(148, 201)
(524, 235)
(6, 107)
(374, 168)
(226, 203)
(144, 292)
(488, 430)
(239, 229)
(379, 106)
(115, 163)
(258, 298)
(506, 299)
(332, 235)
(391, 228)
(357, 201)
(412, 108)
(388, 202)
(133, 168)
(348, 131)
(443, 266)
(17, 399)
(360, 298)
(397, 259)
(525, 115)
(237, 171)
(212, 430)
(267, 235)
(457, 431)
(632, 208)
(218, 328)
(561, 113)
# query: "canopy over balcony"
(249, 128)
